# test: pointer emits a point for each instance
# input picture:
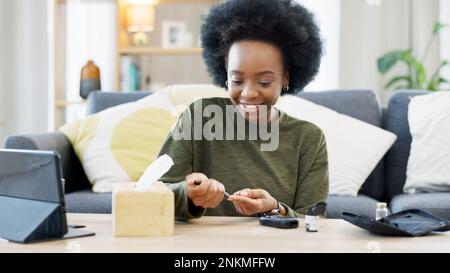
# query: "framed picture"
(173, 33)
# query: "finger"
(239, 208)
(246, 210)
(243, 203)
(200, 191)
(241, 192)
(240, 199)
(222, 191)
(251, 208)
(248, 206)
(212, 197)
(256, 194)
(190, 179)
(215, 194)
(219, 194)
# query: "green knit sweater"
(295, 174)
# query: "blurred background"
(54, 52)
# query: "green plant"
(416, 78)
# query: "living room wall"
(366, 32)
(23, 67)
(444, 15)
(370, 29)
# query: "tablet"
(32, 206)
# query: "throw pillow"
(429, 159)
(354, 147)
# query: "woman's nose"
(249, 91)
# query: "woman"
(258, 50)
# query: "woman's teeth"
(251, 106)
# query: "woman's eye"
(265, 84)
(237, 82)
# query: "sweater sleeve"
(313, 181)
(179, 146)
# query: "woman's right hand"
(209, 194)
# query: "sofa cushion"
(363, 105)
(360, 205)
(437, 204)
(87, 201)
(396, 121)
(354, 147)
(429, 160)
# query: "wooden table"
(235, 234)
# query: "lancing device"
(197, 183)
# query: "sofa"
(384, 184)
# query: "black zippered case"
(412, 222)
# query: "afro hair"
(282, 23)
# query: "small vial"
(381, 211)
(312, 216)
(312, 223)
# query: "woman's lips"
(251, 106)
(253, 109)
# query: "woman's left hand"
(253, 201)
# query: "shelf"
(64, 104)
(162, 2)
(185, 1)
(156, 2)
(159, 51)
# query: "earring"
(286, 88)
(226, 83)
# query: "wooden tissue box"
(142, 212)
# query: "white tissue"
(155, 171)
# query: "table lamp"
(140, 19)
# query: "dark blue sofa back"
(100, 100)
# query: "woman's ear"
(286, 79)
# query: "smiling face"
(256, 76)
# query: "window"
(90, 35)
(328, 16)
(444, 14)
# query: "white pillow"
(184, 94)
(428, 167)
(354, 147)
